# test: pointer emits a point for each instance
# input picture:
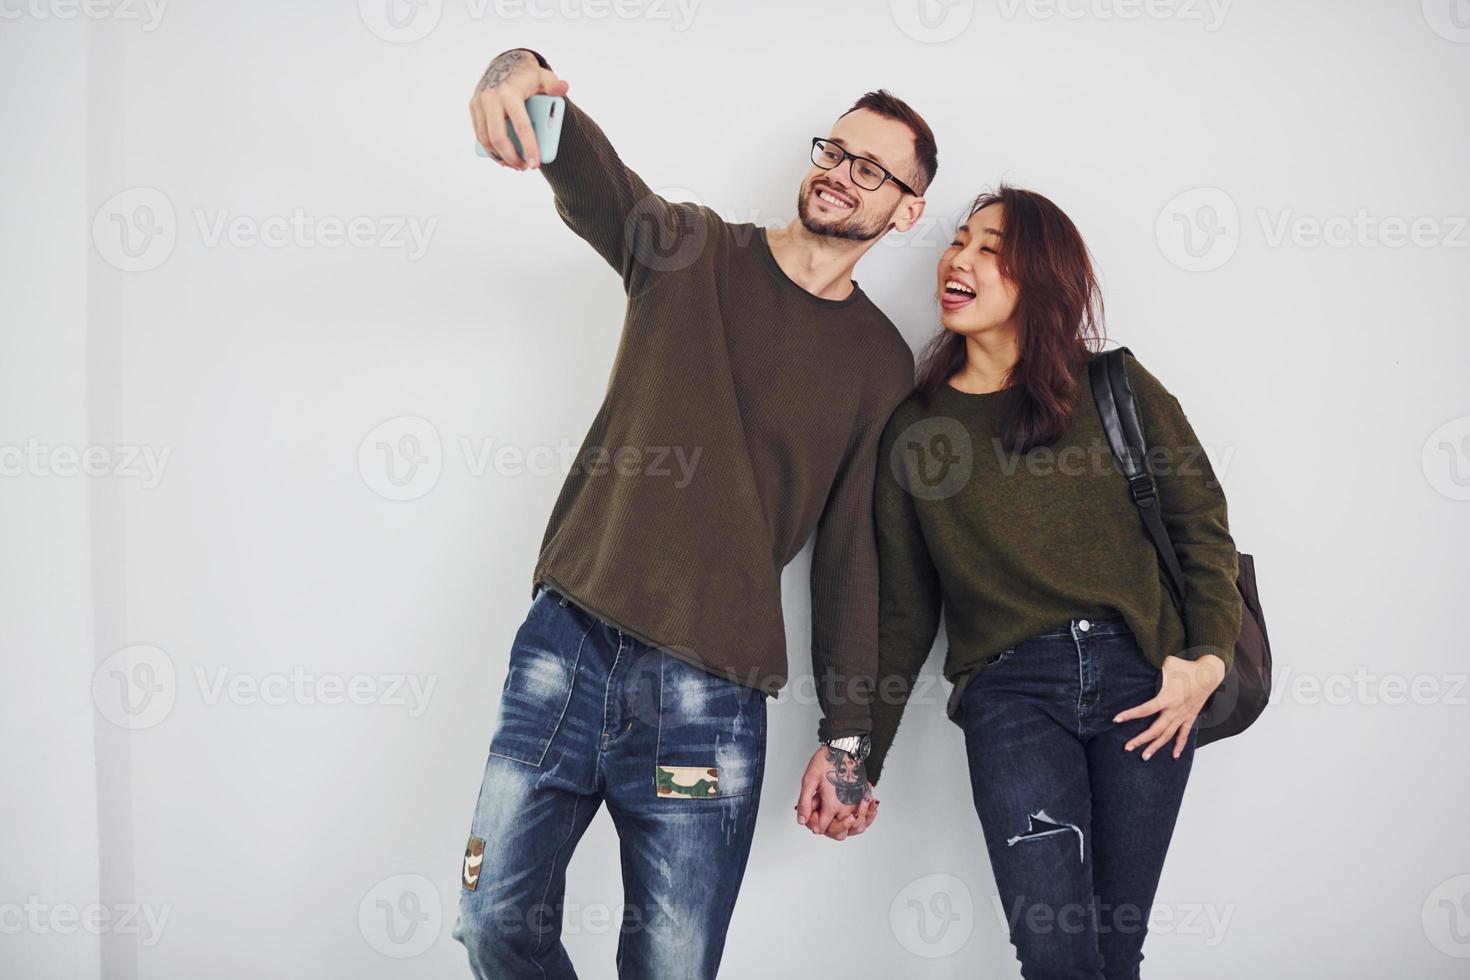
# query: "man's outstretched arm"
(597, 195)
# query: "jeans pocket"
(538, 685)
(996, 659)
(979, 677)
(711, 735)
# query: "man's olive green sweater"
(1011, 545)
(741, 418)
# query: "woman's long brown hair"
(1059, 314)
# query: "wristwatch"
(856, 746)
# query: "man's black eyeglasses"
(867, 174)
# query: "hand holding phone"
(517, 109)
(545, 113)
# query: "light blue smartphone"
(546, 112)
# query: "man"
(751, 386)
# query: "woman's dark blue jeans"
(1076, 827)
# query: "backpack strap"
(1118, 410)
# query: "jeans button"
(1084, 625)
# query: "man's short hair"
(926, 152)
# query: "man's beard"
(846, 227)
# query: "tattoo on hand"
(849, 777)
(503, 67)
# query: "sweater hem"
(647, 640)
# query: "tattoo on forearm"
(503, 67)
(849, 777)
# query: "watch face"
(855, 745)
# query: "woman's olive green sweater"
(1009, 545)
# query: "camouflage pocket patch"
(688, 782)
(474, 856)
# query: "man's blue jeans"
(1076, 828)
(590, 715)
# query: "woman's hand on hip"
(1183, 689)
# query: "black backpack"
(1243, 695)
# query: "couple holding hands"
(979, 485)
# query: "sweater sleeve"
(600, 198)
(1192, 505)
(909, 595)
(844, 581)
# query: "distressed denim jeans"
(590, 715)
(1076, 828)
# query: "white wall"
(49, 860)
(281, 839)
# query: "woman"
(998, 499)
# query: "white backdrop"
(252, 662)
